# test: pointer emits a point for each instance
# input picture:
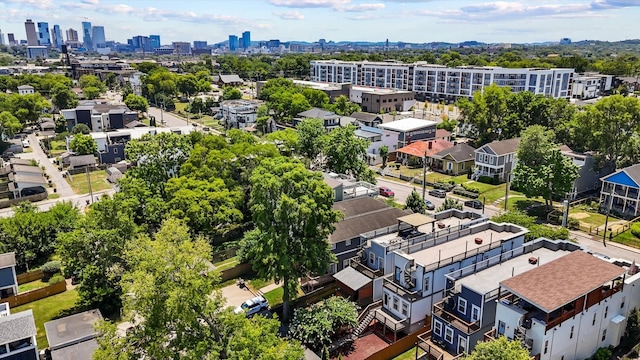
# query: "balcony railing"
(441, 311)
(357, 264)
(430, 349)
(409, 295)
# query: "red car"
(384, 191)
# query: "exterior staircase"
(365, 318)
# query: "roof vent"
(533, 260)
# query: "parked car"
(476, 204)
(429, 204)
(438, 193)
(385, 191)
(253, 306)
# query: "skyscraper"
(199, 44)
(246, 39)
(44, 38)
(57, 36)
(72, 35)
(32, 36)
(141, 44)
(12, 38)
(155, 41)
(1, 38)
(98, 38)
(86, 35)
(233, 42)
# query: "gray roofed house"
(19, 328)
(80, 161)
(316, 113)
(353, 278)
(330, 119)
(47, 125)
(496, 159)
(231, 79)
(135, 123)
(31, 179)
(454, 160)
(503, 147)
(73, 337)
(367, 119)
(8, 276)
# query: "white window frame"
(345, 263)
(466, 343)
(426, 283)
(474, 308)
(347, 242)
(395, 303)
(332, 268)
(437, 327)
(462, 304)
(405, 309)
(448, 333)
(449, 165)
(372, 257)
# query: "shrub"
(573, 224)
(488, 180)
(51, 268)
(635, 229)
(56, 279)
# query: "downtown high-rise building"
(154, 41)
(72, 35)
(56, 37)
(199, 45)
(86, 36)
(233, 42)
(98, 38)
(2, 38)
(32, 35)
(12, 39)
(246, 39)
(44, 38)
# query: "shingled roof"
(362, 215)
(460, 152)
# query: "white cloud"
(37, 4)
(93, 2)
(309, 3)
(361, 7)
(289, 15)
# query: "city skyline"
(416, 21)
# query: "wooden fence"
(308, 299)
(619, 229)
(399, 346)
(235, 272)
(30, 276)
(36, 294)
(31, 198)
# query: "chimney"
(430, 145)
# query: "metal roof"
(416, 219)
(352, 278)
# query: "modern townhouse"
(8, 275)
(99, 116)
(239, 114)
(400, 133)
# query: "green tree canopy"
(499, 349)
(231, 93)
(312, 135)
(415, 203)
(346, 153)
(384, 154)
(287, 141)
(81, 129)
(135, 102)
(449, 203)
(62, 97)
(83, 145)
(293, 215)
(91, 81)
(342, 106)
(9, 124)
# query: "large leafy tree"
(287, 141)
(450, 203)
(415, 203)
(342, 106)
(312, 136)
(9, 124)
(83, 145)
(187, 84)
(486, 112)
(541, 169)
(346, 153)
(135, 102)
(231, 93)
(499, 349)
(62, 97)
(293, 214)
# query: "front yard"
(80, 185)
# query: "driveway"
(235, 295)
(62, 186)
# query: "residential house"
(99, 116)
(589, 173)
(414, 153)
(239, 114)
(367, 119)
(25, 90)
(73, 337)
(620, 192)
(330, 119)
(468, 309)
(591, 85)
(565, 309)
(496, 159)
(29, 170)
(26, 185)
(361, 215)
(82, 161)
(455, 160)
(442, 134)
(17, 335)
(47, 125)
(374, 137)
(345, 187)
(333, 90)
(8, 275)
(113, 174)
(400, 133)
(227, 80)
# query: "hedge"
(463, 192)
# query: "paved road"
(79, 201)
(63, 188)
(170, 120)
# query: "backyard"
(204, 120)
(57, 147)
(37, 284)
(47, 309)
(80, 185)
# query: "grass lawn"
(257, 284)
(80, 185)
(627, 238)
(275, 296)
(409, 354)
(47, 309)
(521, 203)
(587, 216)
(54, 196)
(31, 286)
(227, 264)
(435, 177)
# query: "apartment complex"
(439, 82)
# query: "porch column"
(626, 193)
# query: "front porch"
(620, 199)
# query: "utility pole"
(86, 170)
(506, 192)
(606, 220)
(424, 175)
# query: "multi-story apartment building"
(439, 82)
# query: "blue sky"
(349, 20)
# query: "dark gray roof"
(26, 169)
(365, 134)
(81, 351)
(362, 116)
(82, 160)
(363, 215)
(85, 107)
(233, 78)
(316, 113)
(460, 152)
(35, 179)
(72, 329)
(503, 147)
(108, 108)
(7, 259)
(47, 125)
(18, 161)
(17, 326)
(353, 278)
(134, 123)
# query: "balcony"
(362, 267)
(398, 289)
(440, 310)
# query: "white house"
(399, 133)
(25, 89)
(239, 113)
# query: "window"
(115, 150)
(593, 322)
(395, 303)
(437, 327)
(475, 313)
(345, 263)
(546, 346)
(333, 246)
(622, 303)
(448, 335)
(604, 334)
(385, 300)
(348, 242)
(405, 309)
(606, 311)
(372, 258)
(462, 166)
(571, 334)
(332, 268)
(462, 305)
(425, 283)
